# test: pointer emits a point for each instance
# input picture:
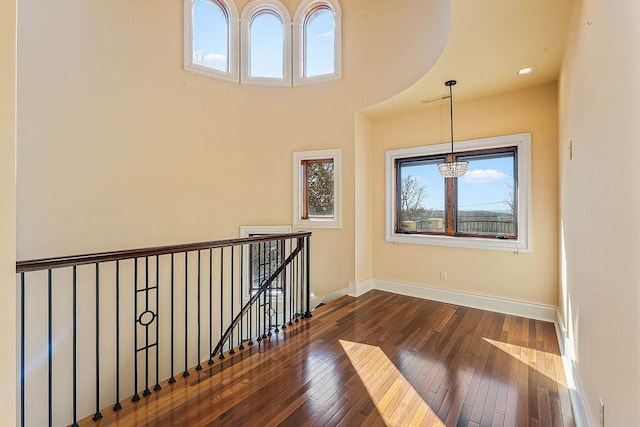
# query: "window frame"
(522, 197)
(303, 12)
(299, 190)
(249, 12)
(230, 10)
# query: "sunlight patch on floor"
(543, 362)
(397, 402)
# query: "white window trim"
(306, 7)
(336, 221)
(233, 47)
(250, 10)
(246, 231)
(522, 244)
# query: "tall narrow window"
(210, 35)
(211, 46)
(267, 46)
(317, 194)
(319, 48)
(317, 40)
(318, 188)
(266, 43)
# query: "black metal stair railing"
(95, 328)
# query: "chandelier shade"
(453, 169)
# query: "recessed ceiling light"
(525, 71)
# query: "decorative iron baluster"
(198, 366)
(231, 350)
(117, 405)
(157, 386)
(270, 310)
(221, 356)
(98, 414)
(172, 379)
(75, 342)
(136, 396)
(50, 344)
(146, 391)
(250, 287)
(22, 340)
(240, 330)
(210, 362)
(186, 314)
(284, 291)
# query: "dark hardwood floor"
(381, 359)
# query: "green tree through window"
(319, 186)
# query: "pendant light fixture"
(451, 169)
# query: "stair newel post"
(240, 331)
(308, 275)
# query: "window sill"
(317, 223)
(461, 242)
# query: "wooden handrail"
(69, 261)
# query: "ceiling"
(490, 40)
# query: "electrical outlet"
(601, 413)
(443, 275)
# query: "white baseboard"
(499, 305)
(360, 288)
(315, 302)
(580, 407)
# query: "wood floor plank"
(380, 359)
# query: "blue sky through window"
(427, 176)
(210, 43)
(487, 185)
(319, 43)
(267, 46)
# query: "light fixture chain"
(451, 116)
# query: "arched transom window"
(272, 49)
(212, 40)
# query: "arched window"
(317, 41)
(211, 41)
(266, 51)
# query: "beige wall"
(363, 199)
(531, 277)
(600, 205)
(120, 147)
(7, 210)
